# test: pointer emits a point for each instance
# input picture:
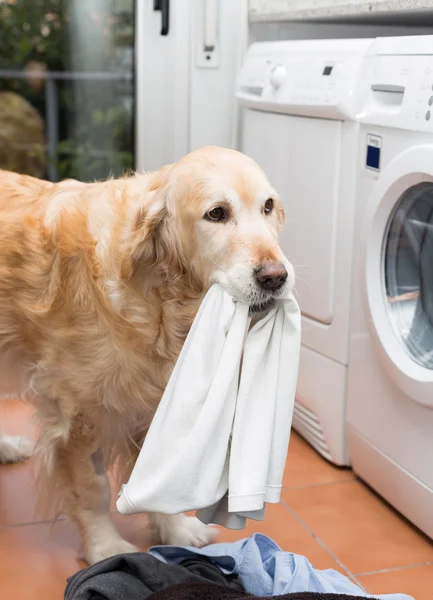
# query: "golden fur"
(99, 284)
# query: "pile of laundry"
(237, 571)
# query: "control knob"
(278, 76)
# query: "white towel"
(218, 441)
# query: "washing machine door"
(399, 271)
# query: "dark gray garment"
(210, 591)
(136, 576)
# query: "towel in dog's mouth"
(263, 307)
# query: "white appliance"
(301, 102)
(390, 384)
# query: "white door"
(162, 81)
(186, 78)
(399, 271)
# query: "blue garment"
(265, 570)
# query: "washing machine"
(301, 100)
(390, 382)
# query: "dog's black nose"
(271, 276)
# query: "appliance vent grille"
(306, 423)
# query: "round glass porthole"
(408, 272)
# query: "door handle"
(164, 7)
(207, 26)
(210, 25)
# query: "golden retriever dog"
(99, 285)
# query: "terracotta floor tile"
(135, 529)
(285, 530)
(16, 418)
(18, 495)
(48, 556)
(306, 467)
(358, 527)
(17, 483)
(415, 581)
(36, 561)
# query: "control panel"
(399, 91)
(314, 77)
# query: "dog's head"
(214, 214)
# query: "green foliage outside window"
(94, 117)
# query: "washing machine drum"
(408, 272)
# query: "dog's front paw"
(15, 448)
(180, 530)
(102, 549)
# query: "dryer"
(390, 383)
(301, 100)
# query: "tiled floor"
(326, 514)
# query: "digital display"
(327, 70)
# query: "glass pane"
(408, 270)
(66, 87)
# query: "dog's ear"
(154, 240)
(142, 242)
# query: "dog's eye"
(216, 214)
(269, 205)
